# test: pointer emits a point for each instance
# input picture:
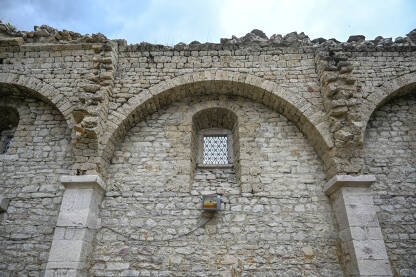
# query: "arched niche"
(215, 128)
(9, 119)
(390, 155)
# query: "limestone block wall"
(145, 71)
(29, 177)
(141, 67)
(76, 78)
(390, 154)
(123, 113)
(154, 206)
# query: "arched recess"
(310, 120)
(389, 153)
(9, 119)
(39, 89)
(388, 90)
(29, 173)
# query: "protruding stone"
(412, 35)
(308, 252)
(319, 40)
(91, 87)
(4, 42)
(276, 38)
(356, 38)
(4, 203)
(255, 36)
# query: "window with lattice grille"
(215, 150)
(215, 147)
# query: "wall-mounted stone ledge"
(83, 181)
(339, 181)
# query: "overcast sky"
(172, 21)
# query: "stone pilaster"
(363, 249)
(76, 226)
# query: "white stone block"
(83, 181)
(80, 207)
(374, 268)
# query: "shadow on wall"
(9, 118)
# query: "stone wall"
(122, 114)
(157, 208)
(29, 176)
(390, 154)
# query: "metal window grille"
(215, 150)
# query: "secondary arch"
(38, 89)
(388, 90)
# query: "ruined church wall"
(390, 154)
(152, 200)
(29, 177)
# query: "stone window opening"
(9, 118)
(215, 139)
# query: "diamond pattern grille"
(215, 150)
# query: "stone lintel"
(4, 203)
(339, 181)
(83, 181)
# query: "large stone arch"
(309, 118)
(399, 86)
(42, 90)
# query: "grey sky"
(173, 21)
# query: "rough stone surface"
(152, 198)
(84, 99)
(29, 177)
(390, 145)
(4, 204)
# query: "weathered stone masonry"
(315, 124)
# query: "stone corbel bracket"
(363, 249)
(76, 226)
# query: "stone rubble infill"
(45, 33)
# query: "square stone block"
(370, 249)
(69, 250)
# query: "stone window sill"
(210, 166)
